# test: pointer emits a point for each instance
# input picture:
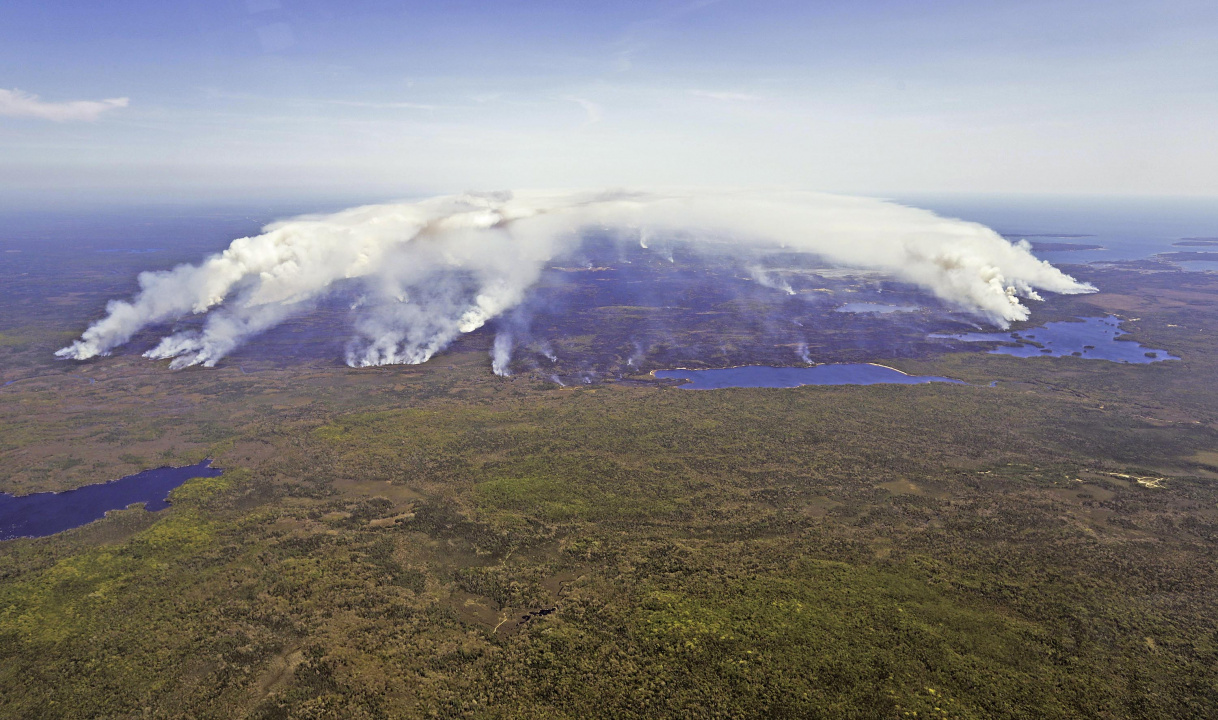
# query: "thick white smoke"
(437, 268)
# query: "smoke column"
(762, 278)
(501, 354)
(434, 269)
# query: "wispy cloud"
(592, 109)
(15, 103)
(648, 32)
(725, 96)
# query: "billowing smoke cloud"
(434, 269)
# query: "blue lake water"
(45, 514)
(1094, 338)
(789, 377)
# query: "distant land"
(1197, 242)
(1063, 247)
(1194, 255)
(1061, 236)
(1039, 245)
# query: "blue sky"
(288, 98)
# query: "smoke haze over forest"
(432, 270)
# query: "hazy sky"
(238, 98)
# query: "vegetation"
(439, 542)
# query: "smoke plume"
(765, 279)
(431, 270)
(501, 354)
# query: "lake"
(43, 514)
(1094, 338)
(788, 377)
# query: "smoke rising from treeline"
(431, 270)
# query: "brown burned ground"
(435, 541)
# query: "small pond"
(1094, 337)
(43, 514)
(789, 377)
